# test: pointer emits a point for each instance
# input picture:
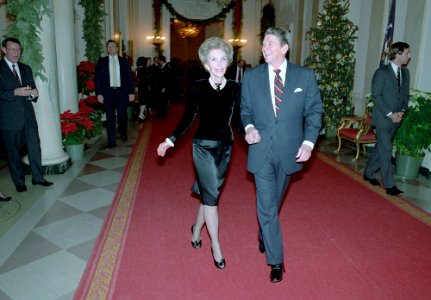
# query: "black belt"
(115, 87)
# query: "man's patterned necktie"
(278, 90)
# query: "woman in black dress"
(214, 99)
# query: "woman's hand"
(161, 150)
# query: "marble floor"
(46, 234)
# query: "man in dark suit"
(390, 92)
(17, 118)
(165, 87)
(281, 135)
(115, 87)
(236, 71)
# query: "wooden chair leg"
(358, 149)
(339, 145)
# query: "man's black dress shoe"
(196, 244)
(276, 273)
(261, 246)
(124, 138)
(394, 191)
(109, 146)
(4, 198)
(21, 188)
(42, 183)
(373, 181)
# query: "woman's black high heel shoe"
(219, 264)
(196, 244)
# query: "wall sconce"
(117, 36)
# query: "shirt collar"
(223, 83)
(9, 63)
(394, 67)
(282, 68)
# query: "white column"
(47, 108)
(65, 50)
(79, 35)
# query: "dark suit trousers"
(13, 140)
(381, 155)
(116, 109)
(271, 184)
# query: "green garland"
(26, 18)
(92, 26)
(203, 22)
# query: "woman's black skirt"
(211, 160)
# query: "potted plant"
(75, 127)
(86, 76)
(91, 108)
(413, 137)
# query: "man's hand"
(34, 93)
(304, 153)
(100, 99)
(396, 117)
(131, 97)
(24, 91)
(252, 136)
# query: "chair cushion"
(350, 133)
(369, 136)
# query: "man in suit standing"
(17, 118)
(236, 72)
(390, 92)
(115, 87)
(281, 110)
(165, 87)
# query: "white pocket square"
(297, 90)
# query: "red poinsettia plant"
(91, 108)
(86, 75)
(75, 127)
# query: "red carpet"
(343, 239)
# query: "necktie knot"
(218, 86)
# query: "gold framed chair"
(362, 134)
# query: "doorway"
(186, 39)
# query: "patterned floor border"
(97, 280)
(398, 201)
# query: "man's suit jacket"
(232, 70)
(299, 117)
(15, 111)
(386, 96)
(102, 82)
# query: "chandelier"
(186, 29)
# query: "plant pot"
(330, 132)
(76, 152)
(407, 167)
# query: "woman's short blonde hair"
(214, 43)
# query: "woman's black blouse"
(215, 110)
